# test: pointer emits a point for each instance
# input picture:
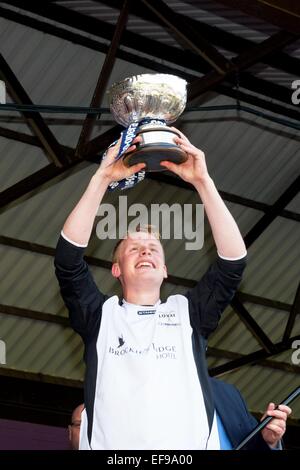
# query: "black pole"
(266, 420)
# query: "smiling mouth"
(145, 264)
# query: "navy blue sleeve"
(237, 421)
(213, 293)
(78, 289)
(257, 442)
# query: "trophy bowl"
(152, 101)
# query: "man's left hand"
(275, 429)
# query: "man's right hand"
(111, 169)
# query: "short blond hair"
(140, 228)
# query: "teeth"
(147, 265)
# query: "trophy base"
(152, 155)
(157, 145)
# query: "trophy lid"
(154, 96)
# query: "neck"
(141, 297)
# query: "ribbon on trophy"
(127, 136)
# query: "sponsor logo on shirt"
(168, 319)
(160, 351)
(146, 312)
(121, 341)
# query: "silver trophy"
(149, 102)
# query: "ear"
(115, 270)
(165, 272)
(70, 432)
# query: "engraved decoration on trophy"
(146, 104)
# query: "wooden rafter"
(242, 62)
(218, 37)
(252, 325)
(94, 149)
(103, 79)
(282, 13)
(295, 310)
(176, 280)
(34, 315)
(260, 206)
(272, 364)
(35, 121)
(283, 200)
(252, 358)
(20, 137)
(187, 35)
(134, 41)
(65, 323)
(46, 174)
(265, 302)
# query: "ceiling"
(240, 60)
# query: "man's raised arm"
(227, 237)
(78, 226)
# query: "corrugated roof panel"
(41, 347)
(246, 156)
(273, 322)
(260, 385)
(214, 14)
(273, 270)
(294, 205)
(233, 335)
(19, 161)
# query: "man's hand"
(275, 429)
(194, 169)
(115, 170)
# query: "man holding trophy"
(146, 383)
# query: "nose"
(145, 251)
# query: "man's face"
(140, 258)
(74, 427)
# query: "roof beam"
(265, 302)
(134, 41)
(260, 206)
(252, 325)
(281, 13)
(28, 184)
(187, 35)
(45, 399)
(189, 283)
(252, 358)
(37, 397)
(45, 175)
(35, 121)
(29, 139)
(292, 317)
(241, 62)
(91, 260)
(276, 108)
(273, 212)
(65, 322)
(219, 37)
(34, 315)
(95, 147)
(20, 137)
(103, 79)
(222, 353)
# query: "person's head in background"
(74, 427)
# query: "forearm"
(79, 224)
(227, 237)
